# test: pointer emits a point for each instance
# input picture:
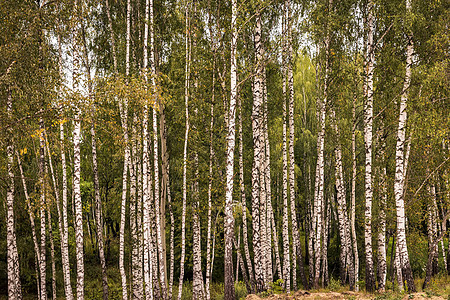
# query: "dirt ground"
(343, 295)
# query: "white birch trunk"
(33, 225)
(49, 220)
(186, 136)
(399, 168)
(382, 221)
(162, 271)
(135, 291)
(52, 253)
(353, 197)
(78, 207)
(124, 120)
(210, 180)
(145, 167)
(368, 121)
(42, 208)
(65, 227)
(62, 216)
(286, 250)
(172, 234)
(268, 183)
(398, 269)
(14, 286)
(319, 182)
(229, 292)
(256, 169)
(344, 226)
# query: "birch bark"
(319, 183)
(399, 167)
(210, 180)
(124, 120)
(33, 225)
(229, 219)
(381, 272)
(296, 249)
(65, 226)
(52, 253)
(78, 207)
(368, 121)
(186, 136)
(77, 155)
(14, 286)
(353, 197)
(42, 208)
(244, 201)
(285, 232)
(97, 200)
(344, 226)
(145, 167)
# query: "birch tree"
(186, 136)
(399, 166)
(14, 286)
(257, 155)
(229, 219)
(145, 167)
(344, 226)
(368, 121)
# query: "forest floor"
(347, 295)
(438, 289)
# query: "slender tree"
(257, 169)
(400, 165)
(230, 138)
(14, 286)
(186, 136)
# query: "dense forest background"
(166, 149)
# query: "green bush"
(277, 286)
(334, 285)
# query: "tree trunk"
(42, 208)
(353, 197)
(172, 234)
(285, 232)
(382, 233)
(241, 264)
(320, 180)
(229, 292)
(368, 121)
(267, 182)
(124, 120)
(344, 226)
(98, 203)
(64, 230)
(399, 168)
(159, 236)
(14, 286)
(186, 136)
(398, 268)
(326, 231)
(78, 207)
(244, 201)
(297, 250)
(33, 226)
(258, 236)
(210, 180)
(197, 282)
(145, 167)
(52, 253)
(135, 287)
